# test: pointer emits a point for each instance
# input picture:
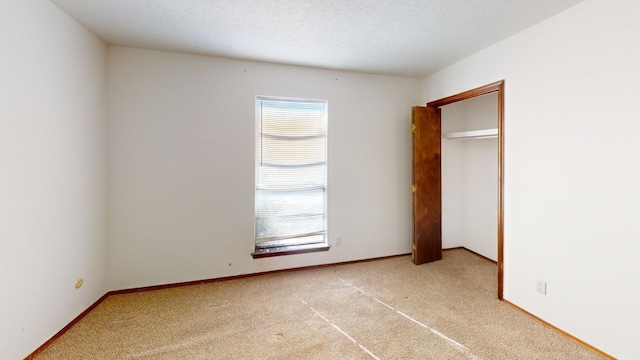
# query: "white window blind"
(291, 172)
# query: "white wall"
(181, 136)
(452, 162)
(572, 139)
(52, 171)
(470, 177)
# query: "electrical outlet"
(541, 287)
(79, 283)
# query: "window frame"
(261, 252)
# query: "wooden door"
(427, 190)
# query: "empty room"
(319, 179)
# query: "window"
(291, 176)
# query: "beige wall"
(182, 131)
(571, 167)
(53, 173)
(180, 171)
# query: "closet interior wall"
(470, 177)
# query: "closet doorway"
(427, 174)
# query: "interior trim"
(560, 331)
(552, 327)
(289, 250)
(466, 95)
(498, 87)
(66, 328)
(212, 280)
(471, 251)
(41, 348)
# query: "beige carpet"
(385, 309)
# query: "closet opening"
(455, 165)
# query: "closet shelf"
(473, 134)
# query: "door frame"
(498, 87)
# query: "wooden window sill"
(289, 250)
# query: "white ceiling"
(411, 38)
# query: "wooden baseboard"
(471, 251)
(188, 283)
(243, 276)
(561, 332)
(66, 328)
(196, 282)
(554, 328)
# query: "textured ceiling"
(395, 37)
